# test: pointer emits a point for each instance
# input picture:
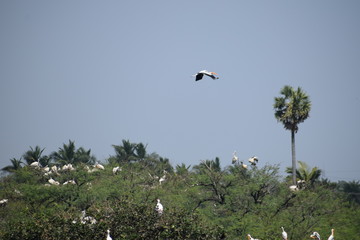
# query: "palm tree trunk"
(293, 156)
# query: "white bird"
(253, 160)
(198, 76)
(54, 169)
(331, 237)
(234, 158)
(293, 188)
(53, 182)
(162, 179)
(87, 219)
(243, 165)
(3, 201)
(35, 164)
(108, 235)
(46, 169)
(116, 170)
(284, 234)
(70, 182)
(315, 235)
(68, 167)
(250, 237)
(159, 208)
(99, 166)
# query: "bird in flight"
(198, 76)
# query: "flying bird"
(198, 76)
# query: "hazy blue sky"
(98, 72)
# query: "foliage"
(208, 202)
(291, 109)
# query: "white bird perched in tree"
(70, 182)
(46, 169)
(35, 164)
(331, 237)
(54, 169)
(108, 235)
(162, 179)
(243, 165)
(315, 235)
(53, 182)
(68, 167)
(3, 201)
(99, 166)
(293, 188)
(159, 208)
(284, 234)
(249, 237)
(86, 219)
(234, 158)
(198, 76)
(253, 160)
(116, 170)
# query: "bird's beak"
(214, 73)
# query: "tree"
(212, 165)
(310, 176)
(126, 152)
(16, 164)
(35, 155)
(68, 154)
(292, 109)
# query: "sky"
(98, 72)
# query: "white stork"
(331, 237)
(35, 164)
(315, 235)
(234, 158)
(293, 188)
(108, 235)
(244, 166)
(3, 201)
(198, 76)
(249, 237)
(253, 160)
(87, 219)
(159, 208)
(53, 182)
(99, 166)
(116, 170)
(284, 234)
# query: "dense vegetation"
(204, 201)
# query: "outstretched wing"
(199, 76)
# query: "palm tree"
(305, 173)
(126, 152)
(83, 156)
(292, 109)
(16, 164)
(208, 165)
(35, 155)
(182, 169)
(68, 154)
(140, 151)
